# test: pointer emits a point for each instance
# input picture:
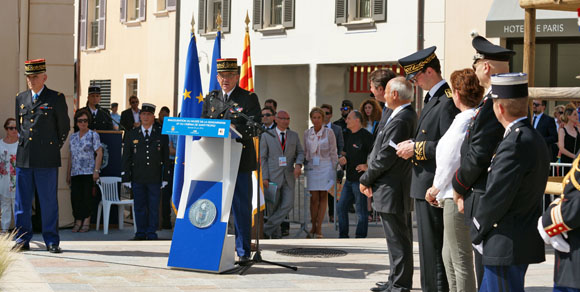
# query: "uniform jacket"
(102, 120)
(43, 127)
(483, 135)
(388, 174)
(435, 119)
(564, 216)
(127, 119)
(507, 214)
(143, 161)
(271, 151)
(245, 102)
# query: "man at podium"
(226, 104)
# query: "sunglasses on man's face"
(267, 115)
(327, 113)
(134, 102)
(10, 128)
(536, 104)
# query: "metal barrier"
(299, 212)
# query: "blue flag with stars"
(217, 47)
(191, 107)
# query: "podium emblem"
(202, 213)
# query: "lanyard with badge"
(282, 159)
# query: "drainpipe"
(176, 91)
(420, 45)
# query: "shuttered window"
(355, 10)
(133, 10)
(208, 10)
(92, 24)
(273, 14)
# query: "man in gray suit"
(388, 180)
(281, 157)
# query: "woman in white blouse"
(457, 251)
(321, 160)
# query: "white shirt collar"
(397, 110)
(280, 131)
(143, 129)
(37, 93)
(229, 93)
(509, 127)
(329, 125)
(436, 87)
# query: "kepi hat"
(417, 61)
(486, 50)
(227, 65)
(509, 85)
(148, 107)
(36, 66)
(94, 89)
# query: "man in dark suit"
(101, 119)
(546, 126)
(226, 104)
(43, 124)
(483, 135)
(504, 226)
(423, 68)
(130, 116)
(145, 152)
(388, 181)
(378, 82)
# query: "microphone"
(213, 95)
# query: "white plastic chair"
(110, 196)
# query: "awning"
(506, 20)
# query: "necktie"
(534, 122)
(34, 97)
(283, 140)
(427, 97)
(146, 134)
(226, 97)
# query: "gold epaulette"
(420, 150)
(449, 93)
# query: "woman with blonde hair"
(568, 135)
(321, 158)
(371, 112)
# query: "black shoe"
(166, 225)
(54, 248)
(18, 247)
(381, 284)
(139, 237)
(152, 236)
(385, 288)
(285, 232)
(244, 261)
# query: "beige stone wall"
(461, 18)
(144, 50)
(34, 29)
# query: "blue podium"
(200, 239)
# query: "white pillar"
(312, 88)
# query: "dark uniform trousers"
(143, 160)
(43, 126)
(215, 108)
(505, 222)
(435, 119)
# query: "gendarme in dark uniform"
(101, 118)
(483, 134)
(145, 151)
(215, 107)
(43, 124)
(563, 216)
(436, 117)
(504, 223)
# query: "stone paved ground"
(97, 262)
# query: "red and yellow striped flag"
(246, 80)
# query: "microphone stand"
(121, 128)
(256, 130)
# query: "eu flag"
(191, 107)
(217, 46)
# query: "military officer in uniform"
(559, 226)
(101, 119)
(145, 151)
(43, 124)
(503, 227)
(225, 104)
(483, 134)
(423, 68)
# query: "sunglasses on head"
(82, 120)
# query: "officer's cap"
(417, 61)
(148, 107)
(94, 89)
(489, 51)
(36, 66)
(227, 65)
(509, 85)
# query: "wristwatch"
(97, 171)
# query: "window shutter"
(288, 13)
(257, 15)
(379, 10)
(83, 28)
(142, 9)
(226, 4)
(201, 17)
(171, 5)
(102, 23)
(123, 11)
(340, 13)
